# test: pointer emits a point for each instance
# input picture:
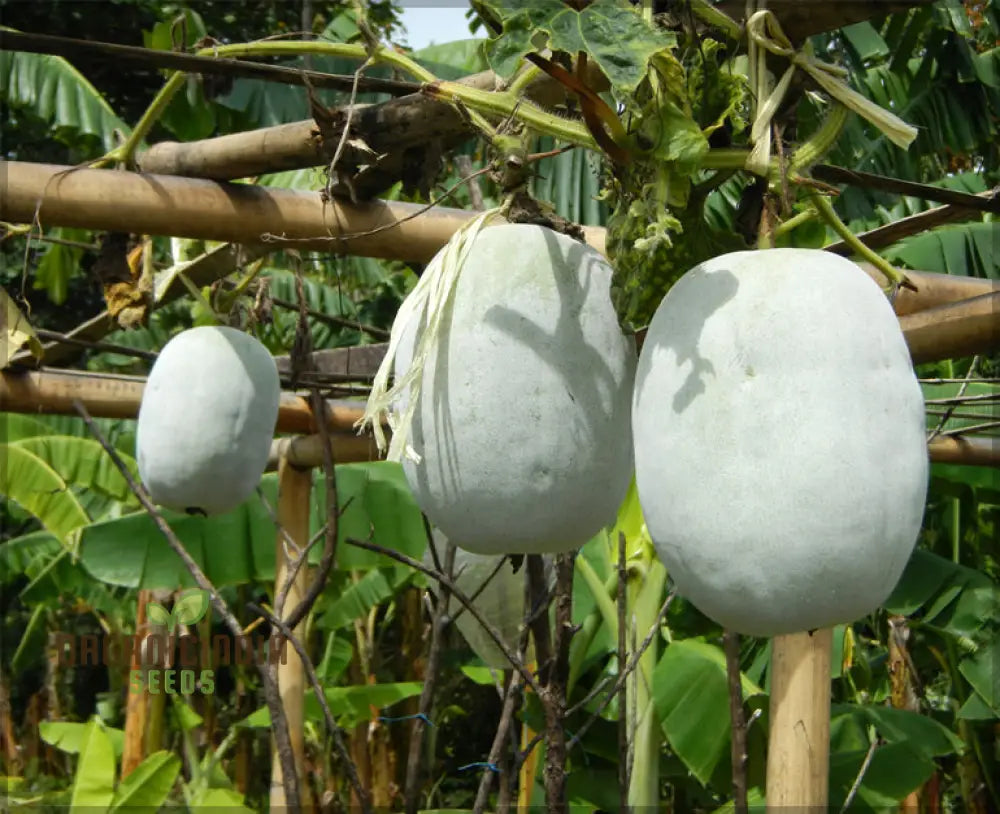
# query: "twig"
(538, 600)
(491, 631)
(268, 237)
(278, 720)
(624, 769)
(501, 562)
(110, 347)
(331, 724)
(411, 789)
(861, 776)
(511, 696)
(342, 322)
(986, 425)
(464, 165)
(554, 688)
(952, 407)
(738, 737)
(633, 663)
(321, 418)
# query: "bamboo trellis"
(947, 317)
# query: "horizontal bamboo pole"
(116, 201)
(52, 392)
(955, 329)
(388, 128)
(243, 213)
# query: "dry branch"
(840, 175)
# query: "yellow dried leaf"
(15, 331)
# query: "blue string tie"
(419, 715)
(481, 765)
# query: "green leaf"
(56, 91)
(26, 479)
(691, 694)
(924, 736)
(94, 781)
(349, 705)
(191, 607)
(149, 784)
(31, 644)
(216, 800)
(355, 601)
(611, 32)
(187, 718)
(865, 41)
(82, 462)
(981, 672)
(895, 770)
(453, 60)
(59, 263)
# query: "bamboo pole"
(52, 392)
(294, 490)
(388, 128)
(136, 703)
(798, 750)
(243, 213)
(954, 330)
(117, 201)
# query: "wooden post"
(798, 751)
(294, 490)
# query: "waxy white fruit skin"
(206, 420)
(524, 411)
(780, 448)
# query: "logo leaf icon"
(158, 615)
(190, 607)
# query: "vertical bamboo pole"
(136, 703)
(798, 750)
(294, 489)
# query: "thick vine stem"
(826, 211)
(820, 142)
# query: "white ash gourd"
(206, 420)
(780, 449)
(501, 602)
(522, 420)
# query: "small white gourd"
(522, 420)
(206, 420)
(780, 449)
(501, 602)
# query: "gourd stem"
(825, 209)
(794, 222)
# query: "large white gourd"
(206, 420)
(522, 421)
(780, 448)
